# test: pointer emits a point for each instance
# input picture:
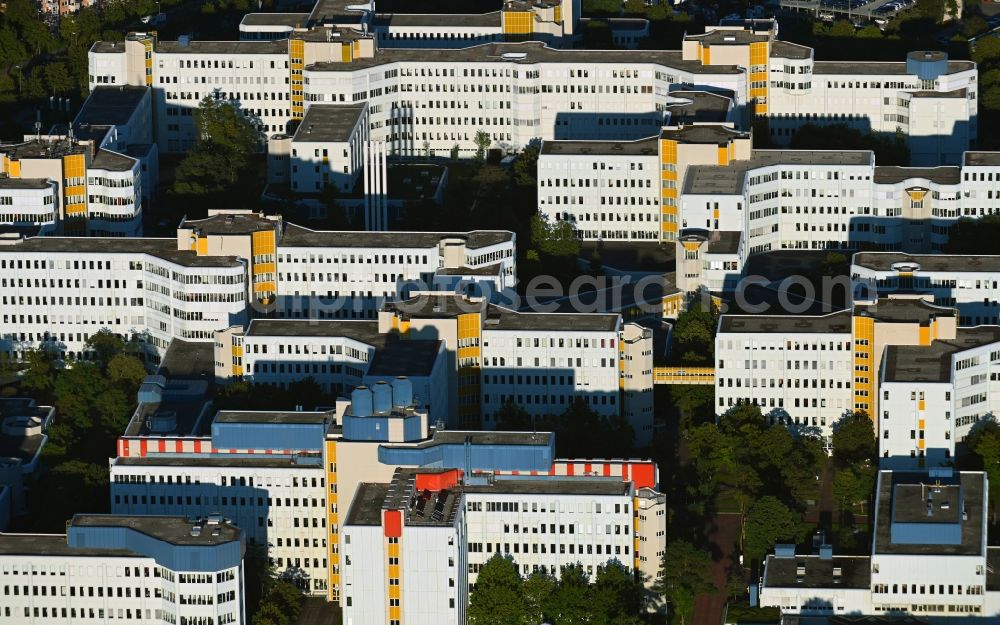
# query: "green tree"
(854, 442)
(694, 332)
(482, 141)
(497, 598)
(975, 236)
(68, 488)
(287, 597)
(513, 418)
(58, 78)
(556, 240)
(843, 29)
(853, 486)
(225, 141)
(685, 572)
(526, 166)
(984, 444)
(690, 398)
(582, 433)
(536, 591)
(39, 372)
(615, 592)
(571, 603)
(597, 35)
(78, 389)
(105, 344)
(769, 522)
(608, 8)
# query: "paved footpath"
(723, 534)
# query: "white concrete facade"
(797, 369)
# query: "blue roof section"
(475, 451)
(278, 431)
(167, 540)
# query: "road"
(723, 532)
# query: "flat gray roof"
(702, 133)
(278, 47)
(233, 461)
(789, 50)
(422, 507)
(464, 20)
(903, 310)
(112, 161)
(363, 331)
(54, 545)
(329, 122)
(366, 509)
(714, 180)
(160, 248)
(24, 183)
(724, 242)
(909, 507)
(499, 318)
(107, 105)
(298, 236)
(175, 530)
(954, 93)
(760, 158)
(274, 416)
(640, 147)
(188, 359)
(878, 68)
(729, 37)
(435, 305)
(42, 148)
(534, 52)
(834, 323)
(932, 363)
(335, 11)
(550, 486)
(703, 106)
(855, 572)
(276, 19)
(486, 270)
(939, 175)
(982, 159)
(459, 437)
(231, 223)
(952, 263)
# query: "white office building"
(966, 283)
(932, 396)
(114, 568)
(929, 556)
(59, 291)
(797, 369)
(459, 521)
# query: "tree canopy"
(975, 236)
(684, 574)
(502, 597)
(742, 459)
(854, 442)
(768, 523)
